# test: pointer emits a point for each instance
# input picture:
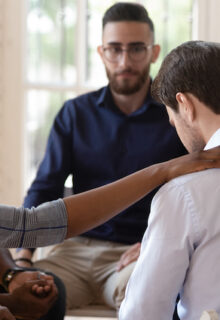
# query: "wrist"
(165, 172)
(9, 275)
(25, 260)
(159, 173)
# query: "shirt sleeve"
(165, 253)
(35, 227)
(57, 163)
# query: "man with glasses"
(136, 52)
(100, 137)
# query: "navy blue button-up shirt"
(97, 143)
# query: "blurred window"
(62, 61)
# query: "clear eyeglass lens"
(135, 53)
(138, 53)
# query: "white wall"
(206, 22)
(11, 111)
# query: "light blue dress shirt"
(180, 252)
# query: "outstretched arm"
(52, 222)
(91, 208)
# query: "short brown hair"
(127, 11)
(192, 67)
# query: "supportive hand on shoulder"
(192, 162)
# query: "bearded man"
(98, 138)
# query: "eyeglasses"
(135, 53)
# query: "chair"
(97, 311)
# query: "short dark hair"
(127, 11)
(193, 67)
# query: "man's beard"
(124, 86)
(193, 138)
(197, 143)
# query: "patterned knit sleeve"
(36, 227)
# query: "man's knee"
(121, 285)
(115, 286)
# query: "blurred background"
(48, 54)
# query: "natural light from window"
(62, 61)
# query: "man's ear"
(186, 106)
(156, 51)
(100, 51)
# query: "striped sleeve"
(31, 228)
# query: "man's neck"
(207, 121)
(130, 103)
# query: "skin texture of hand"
(24, 303)
(129, 256)
(23, 277)
(94, 207)
(192, 162)
(5, 314)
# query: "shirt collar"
(214, 141)
(105, 100)
(103, 95)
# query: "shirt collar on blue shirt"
(106, 100)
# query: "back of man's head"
(127, 11)
(192, 67)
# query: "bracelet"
(9, 275)
(25, 260)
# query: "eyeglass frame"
(146, 47)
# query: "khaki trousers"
(88, 269)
